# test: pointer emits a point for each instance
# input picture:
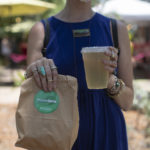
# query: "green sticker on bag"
(46, 102)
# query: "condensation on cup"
(96, 75)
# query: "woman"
(102, 125)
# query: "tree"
(59, 5)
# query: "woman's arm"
(35, 43)
(125, 70)
(35, 60)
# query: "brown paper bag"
(48, 131)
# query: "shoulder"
(122, 32)
(36, 35)
(122, 27)
(124, 42)
(37, 31)
(37, 27)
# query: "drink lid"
(94, 49)
(46, 102)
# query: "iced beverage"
(96, 75)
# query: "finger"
(36, 78)
(113, 64)
(30, 68)
(114, 49)
(110, 69)
(48, 75)
(110, 63)
(116, 59)
(42, 77)
(54, 73)
(109, 53)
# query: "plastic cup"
(96, 75)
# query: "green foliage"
(147, 131)
(12, 20)
(19, 79)
(95, 2)
(6, 21)
(59, 5)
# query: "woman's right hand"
(45, 82)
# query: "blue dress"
(102, 125)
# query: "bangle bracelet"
(121, 85)
(115, 88)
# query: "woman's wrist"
(112, 80)
(115, 86)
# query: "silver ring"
(112, 55)
(53, 67)
(50, 80)
(35, 69)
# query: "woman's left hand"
(111, 64)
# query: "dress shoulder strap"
(115, 33)
(47, 35)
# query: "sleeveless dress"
(102, 124)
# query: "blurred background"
(16, 19)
